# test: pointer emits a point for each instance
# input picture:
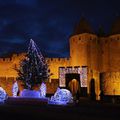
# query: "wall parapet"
(57, 59)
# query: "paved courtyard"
(84, 110)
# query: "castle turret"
(115, 28)
(110, 47)
(83, 27)
(83, 51)
(114, 46)
(111, 60)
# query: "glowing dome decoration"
(58, 89)
(61, 97)
(15, 89)
(3, 95)
(43, 89)
(26, 93)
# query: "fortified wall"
(8, 73)
(99, 53)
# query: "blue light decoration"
(61, 97)
(41, 93)
(26, 93)
(3, 95)
(33, 93)
(43, 89)
(15, 89)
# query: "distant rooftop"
(115, 28)
(83, 27)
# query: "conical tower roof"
(115, 28)
(82, 27)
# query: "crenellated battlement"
(22, 55)
(57, 60)
(12, 58)
(5, 60)
(83, 38)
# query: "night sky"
(50, 23)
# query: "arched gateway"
(74, 86)
(74, 79)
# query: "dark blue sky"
(50, 22)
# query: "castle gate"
(73, 82)
(74, 79)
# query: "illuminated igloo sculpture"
(61, 97)
(3, 95)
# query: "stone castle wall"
(8, 65)
(110, 50)
(99, 54)
(111, 83)
(8, 74)
(84, 50)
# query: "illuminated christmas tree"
(33, 69)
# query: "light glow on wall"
(83, 77)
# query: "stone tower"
(83, 45)
(110, 71)
(84, 49)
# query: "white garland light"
(43, 90)
(15, 89)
